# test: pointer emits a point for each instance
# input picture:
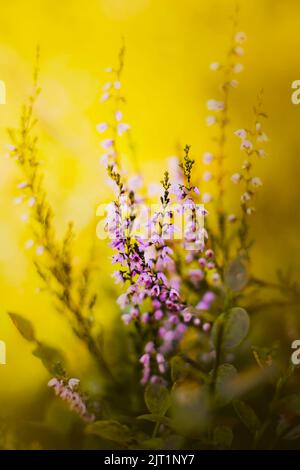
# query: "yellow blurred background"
(169, 46)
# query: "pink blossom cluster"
(68, 391)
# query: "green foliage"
(111, 430)
(157, 399)
(223, 437)
(230, 329)
(247, 415)
(23, 325)
(224, 390)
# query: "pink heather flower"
(126, 318)
(239, 51)
(31, 201)
(118, 115)
(209, 254)
(206, 198)
(197, 321)
(246, 145)
(158, 315)
(187, 316)
(236, 178)
(256, 181)
(73, 383)
(40, 250)
(122, 128)
(246, 197)
(117, 85)
(214, 66)
(262, 137)
(28, 244)
(104, 97)
(242, 133)
(202, 262)
(123, 300)
(107, 143)
(209, 297)
(207, 158)
(207, 176)
(231, 218)
(214, 105)
(234, 83)
(238, 68)
(210, 265)
(196, 190)
(18, 200)
(117, 275)
(261, 153)
(196, 274)
(210, 120)
(149, 347)
(240, 37)
(102, 127)
(22, 185)
(206, 327)
(106, 86)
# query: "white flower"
(122, 128)
(242, 133)
(18, 200)
(210, 120)
(106, 86)
(246, 165)
(22, 185)
(250, 210)
(245, 197)
(117, 85)
(214, 105)
(207, 176)
(207, 158)
(28, 244)
(24, 217)
(73, 383)
(238, 68)
(104, 97)
(256, 181)
(261, 153)
(108, 69)
(214, 66)
(246, 145)
(102, 127)
(236, 178)
(234, 83)
(231, 218)
(262, 137)
(107, 143)
(238, 50)
(240, 37)
(206, 198)
(31, 201)
(118, 115)
(258, 126)
(40, 250)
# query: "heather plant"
(192, 371)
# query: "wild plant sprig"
(54, 259)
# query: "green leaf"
(247, 415)
(292, 403)
(52, 359)
(293, 434)
(110, 430)
(224, 390)
(154, 418)
(230, 329)
(223, 437)
(157, 399)
(23, 325)
(236, 275)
